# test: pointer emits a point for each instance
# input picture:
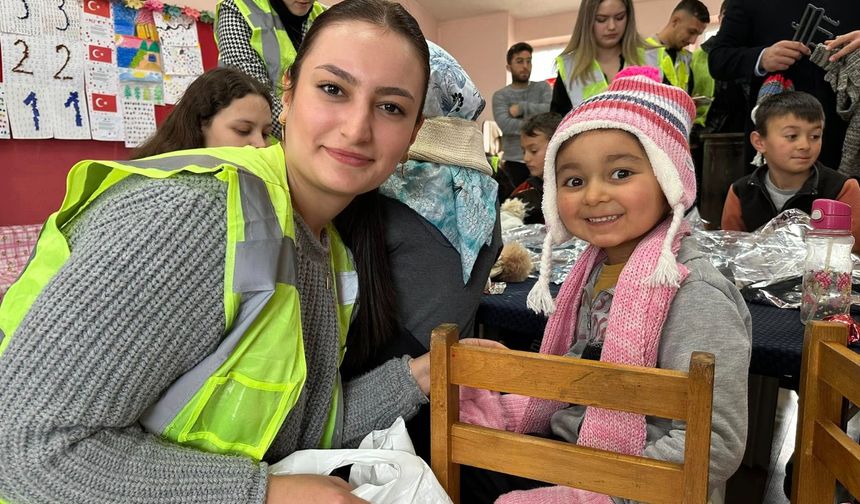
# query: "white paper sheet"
(175, 86)
(176, 31)
(69, 114)
(23, 17)
(65, 62)
(29, 111)
(24, 59)
(181, 60)
(138, 121)
(62, 18)
(4, 116)
(105, 117)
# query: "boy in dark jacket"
(787, 138)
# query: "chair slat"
(838, 452)
(592, 383)
(638, 478)
(840, 368)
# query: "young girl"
(183, 319)
(221, 108)
(619, 175)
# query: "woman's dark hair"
(206, 96)
(361, 222)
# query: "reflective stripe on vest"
(236, 399)
(593, 81)
(269, 38)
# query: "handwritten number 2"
(68, 57)
(19, 67)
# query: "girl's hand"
(420, 366)
(310, 488)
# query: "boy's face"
(534, 152)
(607, 192)
(792, 144)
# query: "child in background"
(622, 178)
(224, 107)
(788, 140)
(534, 137)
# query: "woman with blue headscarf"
(441, 229)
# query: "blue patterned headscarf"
(459, 201)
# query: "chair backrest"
(824, 454)
(658, 392)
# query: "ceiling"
(445, 10)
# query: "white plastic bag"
(385, 469)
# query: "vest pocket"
(238, 415)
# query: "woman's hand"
(310, 488)
(420, 366)
(849, 42)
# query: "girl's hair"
(582, 40)
(210, 93)
(797, 103)
(361, 223)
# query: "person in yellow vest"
(261, 38)
(604, 41)
(182, 321)
(681, 67)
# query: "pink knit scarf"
(639, 309)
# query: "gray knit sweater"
(138, 303)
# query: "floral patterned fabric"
(460, 202)
(16, 245)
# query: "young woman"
(221, 108)
(604, 41)
(184, 316)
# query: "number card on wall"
(68, 105)
(27, 106)
(23, 17)
(62, 18)
(24, 59)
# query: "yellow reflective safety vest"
(678, 74)
(594, 81)
(268, 36)
(703, 85)
(236, 399)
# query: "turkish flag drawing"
(99, 53)
(103, 103)
(97, 7)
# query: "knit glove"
(482, 407)
(553, 495)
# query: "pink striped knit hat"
(660, 116)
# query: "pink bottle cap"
(830, 214)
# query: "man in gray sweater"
(512, 105)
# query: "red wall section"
(33, 172)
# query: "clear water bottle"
(828, 265)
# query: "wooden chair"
(829, 373)
(658, 392)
